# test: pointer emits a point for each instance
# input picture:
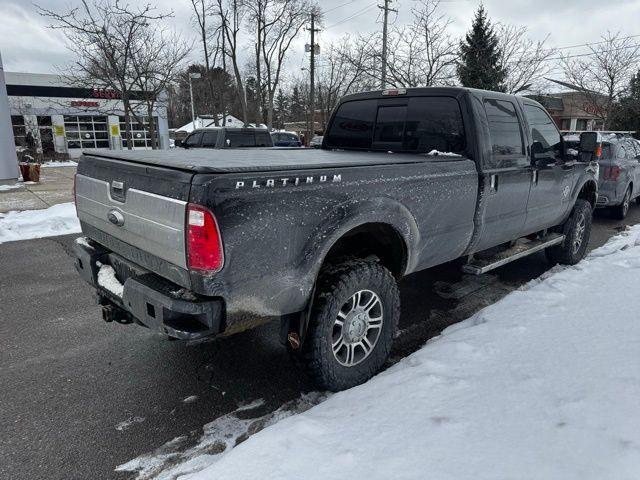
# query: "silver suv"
(619, 178)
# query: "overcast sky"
(27, 45)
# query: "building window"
(86, 131)
(565, 124)
(581, 124)
(141, 133)
(19, 132)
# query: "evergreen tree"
(281, 109)
(479, 53)
(297, 105)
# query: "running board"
(521, 249)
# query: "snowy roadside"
(56, 220)
(543, 384)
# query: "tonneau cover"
(254, 159)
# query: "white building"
(62, 120)
(209, 121)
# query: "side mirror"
(178, 143)
(588, 142)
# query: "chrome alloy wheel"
(578, 236)
(357, 328)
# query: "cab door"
(552, 177)
(506, 175)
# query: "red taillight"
(204, 244)
(611, 173)
(599, 150)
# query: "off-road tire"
(336, 285)
(619, 212)
(566, 253)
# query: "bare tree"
(230, 15)
(336, 77)
(156, 61)
(103, 35)
(420, 54)
(603, 74)
(212, 40)
(425, 53)
(277, 24)
(525, 61)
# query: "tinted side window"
(352, 126)
(240, 139)
(290, 137)
(263, 139)
(193, 140)
(434, 123)
(209, 138)
(504, 128)
(545, 135)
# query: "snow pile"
(443, 154)
(57, 220)
(107, 279)
(4, 188)
(543, 384)
(68, 163)
(220, 436)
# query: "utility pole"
(386, 9)
(312, 72)
(192, 75)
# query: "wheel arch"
(588, 191)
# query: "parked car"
(285, 139)
(316, 141)
(196, 245)
(226, 137)
(619, 178)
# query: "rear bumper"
(148, 298)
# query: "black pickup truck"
(206, 243)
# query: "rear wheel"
(577, 230)
(620, 211)
(354, 317)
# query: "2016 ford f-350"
(208, 243)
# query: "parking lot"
(81, 396)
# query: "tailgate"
(137, 205)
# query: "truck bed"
(254, 160)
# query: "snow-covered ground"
(67, 163)
(544, 384)
(57, 220)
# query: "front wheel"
(354, 318)
(577, 230)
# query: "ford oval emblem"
(115, 217)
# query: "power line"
(339, 6)
(592, 43)
(354, 15)
(635, 45)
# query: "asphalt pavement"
(79, 396)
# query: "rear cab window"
(505, 130)
(413, 124)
